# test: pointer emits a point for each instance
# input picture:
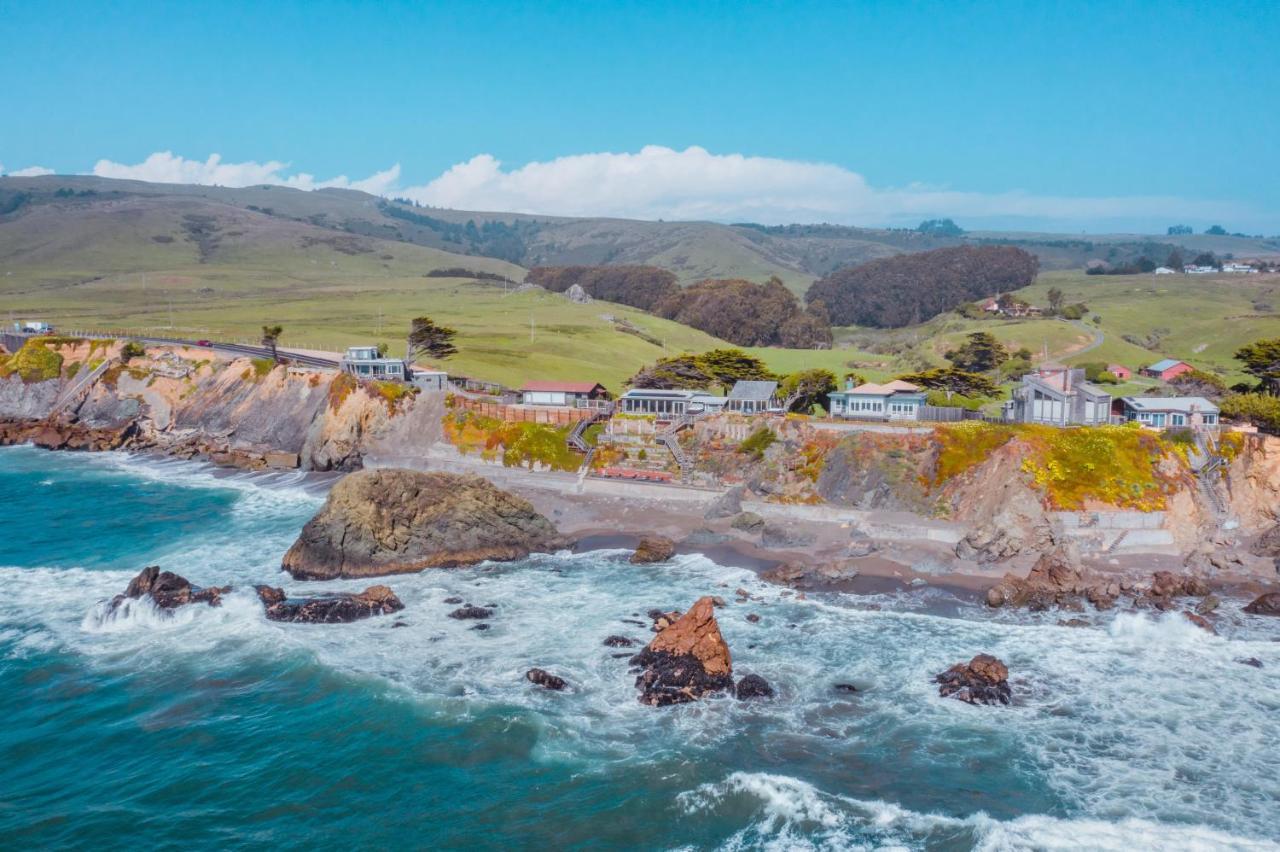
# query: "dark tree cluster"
(907, 289)
(643, 287)
(749, 314)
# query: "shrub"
(392, 393)
(757, 442)
(339, 389)
(34, 362)
(262, 366)
(132, 349)
(965, 445)
(1263, 410)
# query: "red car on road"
(204, 343)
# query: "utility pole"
(531, 325)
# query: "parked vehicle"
(207, 343)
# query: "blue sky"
(1072, 116)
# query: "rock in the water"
(983, 680)
(618, 642)
(453, 600)
(653, 548)
(845, 687)
(753, 618)
(397, 521)
(753, 686)
(687, 660)
(464, 613)
(1268, 604)
(168, 590)
(1199, 621)
(1251, 661)
(545, 679)
(336, 608)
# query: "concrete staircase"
(669, 438)
(79, 386)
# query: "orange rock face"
(698, 634)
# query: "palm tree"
(270, 336)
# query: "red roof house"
(561, 393)
(1167, 369)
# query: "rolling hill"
(338, 267)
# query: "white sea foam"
(787, 813)
(1145, 717)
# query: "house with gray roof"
(753, 398)
(1058, 396)
(1163, 412)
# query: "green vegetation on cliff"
(34, 362)
(516, 444)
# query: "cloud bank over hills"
(657, 182)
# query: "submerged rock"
(685, 661)
(464, 613)
(618, 642)
(168, 590)
(378, 522)
(753, 686)
(653, 548)
(1266, 604)
(545, 679)
(983, 680)
(334, 608)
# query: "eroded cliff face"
(1252, 483)
(240, 412)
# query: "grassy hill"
(338, 267)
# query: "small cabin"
(753, 398)
(1120, 371)
(366, 362)
(1167, 369)
(562, 394)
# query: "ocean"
(215, 728)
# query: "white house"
(1238, 268)
(365, 362)
(1160, 412)
(668, 404)
(1192, 269)
(1164, 270)
(895, 400)
(562, 394)
(753, 397)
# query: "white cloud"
(166, 167)
(29, 171)
(662, 183)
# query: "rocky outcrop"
(1055, 579)
(653, 548)
(334, 608)
(398, 521)
(983, 680)
(545, 679)
(685, 661)
(752, 686)
(726, 505)
(1266, 604)
(66, 435)
(167, 590)
(1007, 517)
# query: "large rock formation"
(983, 680)
(686, 660)
(167, 590)
(336, 608)
(398, 521)
(1268, 604)
(653, 548)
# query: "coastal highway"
(231, 348)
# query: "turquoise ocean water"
(217, 729)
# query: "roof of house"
(753, 390)
(561, 387)
(895, 386)
(1170, 403)
(662, 393)
(1161, 366)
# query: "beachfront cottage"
(895, 400)
(1167, 369)
(753, 398)
(668, 404)
(1162, 412)
(1058, 396)
(366, 362)
(563, 394)
(1120, 371)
